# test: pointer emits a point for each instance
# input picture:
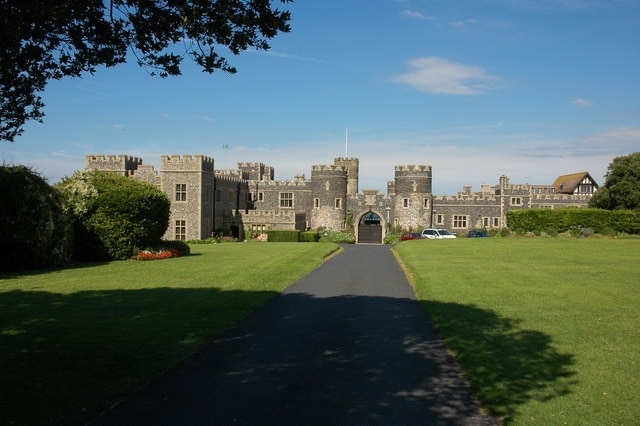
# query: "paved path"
(347, 344)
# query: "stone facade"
(249, 201)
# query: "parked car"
(477, 233)
(433, 233)
(411, 236)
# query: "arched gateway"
(370, 229)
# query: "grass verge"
(547, 330)
(75, 341)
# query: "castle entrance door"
(370, 229)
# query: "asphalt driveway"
(346, 344)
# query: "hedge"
(561, 220)
(283, 236)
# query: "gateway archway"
(370, 229)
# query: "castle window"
(425, 204)
(260, 196)
(459, 221)
(181, 192)
(550, 190)
(286, 199)
(537, 190)
(440, 219)
(338, 203)
(218, 195)
(181, 230)
(485, 222)
(516, 201)
(316, 203)
(406, 203)
(496, 221)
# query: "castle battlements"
(123, 164)
(413, 168)
(187, 162)
(327, 168)
(284, 183)
(235, 178)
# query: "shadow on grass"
(66, 358)
(505, 364)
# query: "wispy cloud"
(206, 118)
(288, 56)
(581, 103)
(441, 76)
(417, 15)
(463, 23)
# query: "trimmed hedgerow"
(35, 231)
(116, 216)
(283, 236)
(553, 221)
(310, 236)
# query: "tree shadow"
(300, 358)
(64, 358)
(505, 364)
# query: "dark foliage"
(553, 221)
(622, 187)
(42, 40)
(35, 231)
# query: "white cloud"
(206, 118)
(441, 76)
(581, 103)
(462, 23)
(417, 15)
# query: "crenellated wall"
(205, 199)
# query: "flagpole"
(346, 143)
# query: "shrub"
(283, 236)
(116, 216)
(35, 230)
(310, 236)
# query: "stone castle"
(249, 201)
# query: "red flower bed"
(160, 254)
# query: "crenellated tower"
(329, 193)
(352, 165)
(412, 189)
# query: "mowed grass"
(75, 341)
(547, 330)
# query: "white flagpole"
(346, 143)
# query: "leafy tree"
(621, 189)
(35, 231)
(41, 40)
(116, 216)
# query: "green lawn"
(74, 341)
(547, 329)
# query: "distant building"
(248, 200)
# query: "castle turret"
(412, 196)
(329, 193)
(352, 165)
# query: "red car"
(411, 236)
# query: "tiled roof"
(567, 184)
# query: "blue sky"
(531, 89)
